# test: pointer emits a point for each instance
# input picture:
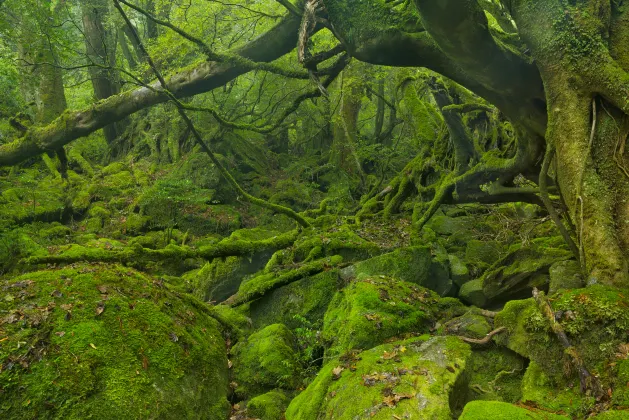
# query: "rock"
(495, 410)
(565, 396)
(412, 379)
(468, 325)
(444, 225)
(515, 275)
(612, 415)
(487, 252)
(412, 264)
(108, 342)
(269, 406)
(307, 298)
(596, 321)
(472, 293)
(565, 275)
(266, 360)
(374, 309)
(459, 272)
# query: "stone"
(472, 293)
(565, 275)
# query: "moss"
(56, 231)
(596, 322)
(104, 341)
(472, 293)
(612, 415)
(307, 298)
(483, 410)
(343, 241)
(371, 310)
(483, 251)
(554, 395)
(415, 378)
(97, 210)
(238, 324)
(269, 406)
(468, 325)
(267, 359)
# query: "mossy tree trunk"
(582, 53)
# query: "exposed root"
(484, 340)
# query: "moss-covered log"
(138, 255)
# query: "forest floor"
(143, 291)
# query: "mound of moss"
(104, 341)
(415, 379)
(265, 360)
(373, 309)
(269, 406)
(495, 410)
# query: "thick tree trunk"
(100, 49)
(587, 90)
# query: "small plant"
(310, 344)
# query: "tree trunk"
(379, 111)
(583, 58)
(100, 49)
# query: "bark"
(379, 111)
(100, 49)
(204, 77)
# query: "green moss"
(612, 415)
(417, 378)
(307, 298)
(237, 322)
(483, 410)
(269, 406)
(267, 359)
(371, 310)
(495, 373)
(104, 341)
(342, 241)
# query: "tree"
(560, 78)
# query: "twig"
(484, 340)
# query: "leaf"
(93, 346)
(336, 372)
(102, 289)
(100, 308)
(60, 333)
(145, 362)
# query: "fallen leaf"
(336, 372)
(93, 346)
(229, 364)
(102, 289)
(56, 293)
(100, 308)
(145, 362)
(60, 333)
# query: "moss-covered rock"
(472, 293)
(269, 406)
(412, 264)
(556, 395)
(468, 325)
(565, 275)
(104, 341)
(459, 272)
(417, 379)
(495, 410)
(266, 360)
(374, 309)
(523, 268)
(341, 241)
(483, 251)
(307, 298)
(596, 322)
(612, 415)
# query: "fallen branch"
(484, 340)
(588, 381)
(138, 255)
(261, 285)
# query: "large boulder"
(415, 379)
(373, 309)
(565, 275)
(104, 341)
(413, 264)
(266, 360)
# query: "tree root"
(138, 255)
(587, 380)
(484, 340)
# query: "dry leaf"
(60, 333)
(102, 289)
(336, 372)
(145, 362)
(100, 308)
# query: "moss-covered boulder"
(524, 267)
(416, 379)
(612, 415)
(565, 275)
(308, 298)
(104, 341)
(596, 322)
(495, 373)
(341, 241)
(266, 360)
(495, 410)
(470, 325)
(412, 264)
(373, 309)
(472, 293)
(269, 406)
